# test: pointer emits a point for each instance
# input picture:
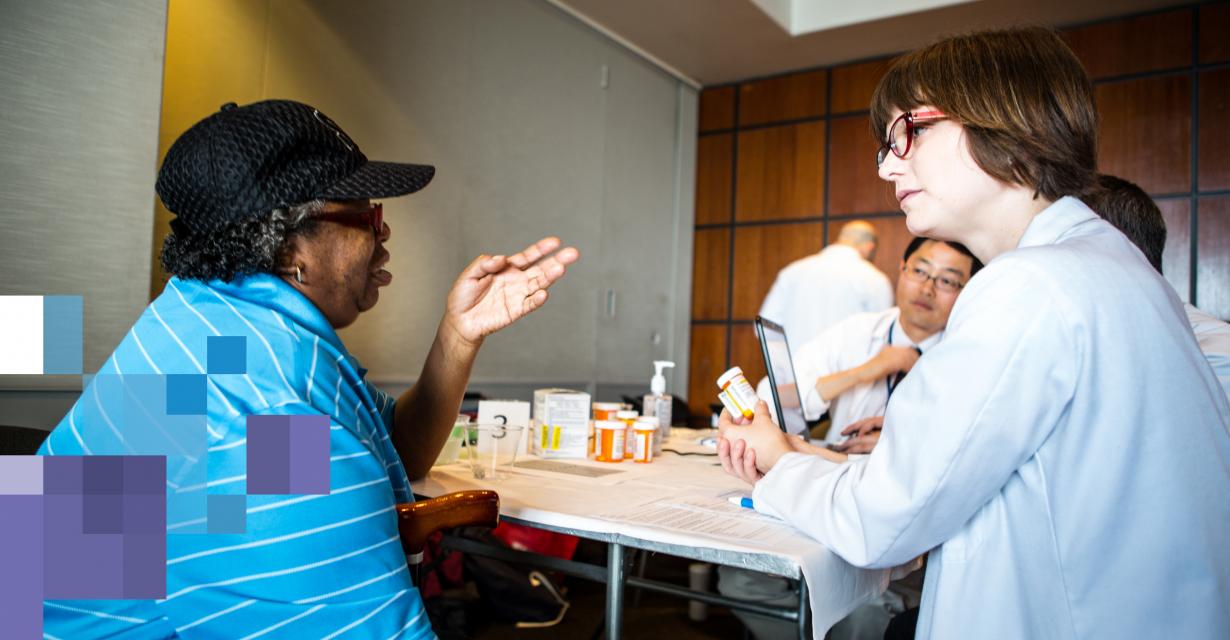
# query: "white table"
(677, 505)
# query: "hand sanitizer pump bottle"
(658, 404)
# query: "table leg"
(614, 590)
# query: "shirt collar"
(272, 292)
(900, 338)
(1055, 221)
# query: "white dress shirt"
(813, 293)
(843, 346)
(1213, 335)
(1062, 453)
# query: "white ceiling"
(719, 41)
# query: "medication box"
(561, 424)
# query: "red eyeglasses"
(372, 216)
(901, 134)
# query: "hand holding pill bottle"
(737, 393)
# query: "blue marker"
(740, 501)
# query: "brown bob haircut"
(1022, 96)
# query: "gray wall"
(538, 125)
(80, 85)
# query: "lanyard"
(895, 379)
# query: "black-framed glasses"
(901, 133)
(942, 282)
(372, 216)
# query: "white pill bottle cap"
(731, 374)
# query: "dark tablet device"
(780, 365)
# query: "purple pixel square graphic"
(103, 513)
(103, 475)
(309, 454)
(108, 542)
(77, 565)
(21, 556)
(268, 455)
(144, 513)
(63, 475)
(145, 475)
(21, 475)
(145, 565)
(226, 354)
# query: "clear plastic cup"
(452, 447)
(492, 449)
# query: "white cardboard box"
(561, 424)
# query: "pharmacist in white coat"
(813, 293)
(1063, 453)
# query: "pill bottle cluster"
(623, 434)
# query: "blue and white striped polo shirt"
(318, 566)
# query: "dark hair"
(1022, 96)
(252, 245)
(1132, 211)
(974, 265)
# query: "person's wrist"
(454, 340)
(769, 458)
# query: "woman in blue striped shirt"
(276, 239)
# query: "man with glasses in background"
(851, 370)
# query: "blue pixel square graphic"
(227, 514)
(227, 354)
(62, 334)
(186, 394)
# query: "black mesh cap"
(243, 162)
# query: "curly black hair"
(254, 245)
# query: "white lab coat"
(813, 293)
(1063, 453)
(843, 346)
(1213, 336)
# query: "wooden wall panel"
(1177, 256)
(1213, 256)
(894, 238)
(1145, 64)
(799, 95)
(706, 361)
(1214, 25)
(780, 172)
(854, 84)
(1146, 132)
(710, 274)
(854, 185)
(1214, 140)
(717, 109)
(1145, 43)
(745, 352)
(760, 252)
(714, 155)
